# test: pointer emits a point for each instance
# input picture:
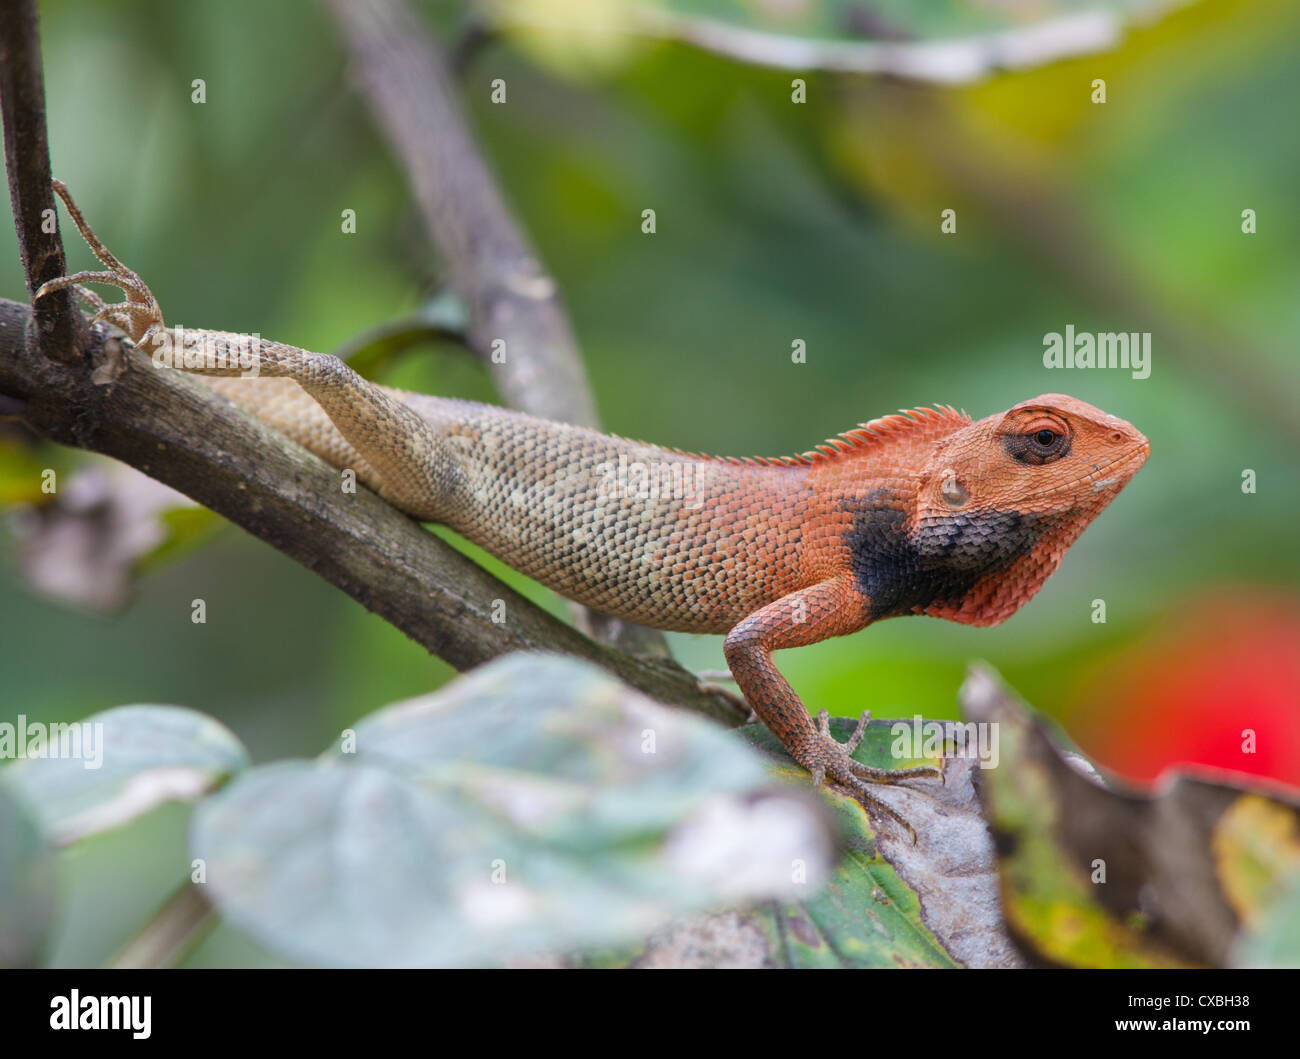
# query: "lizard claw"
(862, 792)
(829, 762)
(139, 317)
(870, 772)
(854, 740)
(875, 775)
(832, 762)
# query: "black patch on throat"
(941, 561)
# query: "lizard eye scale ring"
(1037, 446)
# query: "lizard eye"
(1039, 444)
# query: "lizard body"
(924, 512)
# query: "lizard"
(922, 512)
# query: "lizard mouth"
(1114, 474)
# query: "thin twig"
(59, 329)
(953, 60)
(171, 933)
(516, 320)
(511, 298)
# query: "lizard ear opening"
(953, 492)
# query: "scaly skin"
(920, 513)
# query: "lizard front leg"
(831, 608)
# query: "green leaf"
(442, 318)
(184, 530)
(867, 917)
(1272, 938)
(889, 902)
(892, 903)
(21, 469)
(1095, 874)
(26, 883)
(535, 805)
(128, 760)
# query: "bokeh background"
(775, 222)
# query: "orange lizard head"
(1005, 497)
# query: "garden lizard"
(924, 512)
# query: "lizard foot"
(870, 772)
(833, 761)
(139, 317)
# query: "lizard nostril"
(1116, 436)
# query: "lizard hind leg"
(401, 455)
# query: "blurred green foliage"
(775, 222)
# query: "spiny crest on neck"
(906, 424)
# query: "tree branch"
(60, 331)
(510, 296)
(945, 61)
(175, 430)
(403, 75)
